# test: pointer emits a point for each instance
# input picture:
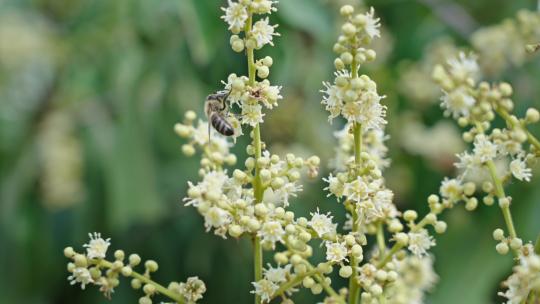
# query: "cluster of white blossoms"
(228, 204)
(477, 105)
(498, 155)
(524, 282)
(503, 45)
(355, 98)
(92, 268)
(215, 147)
(251, 95)
(415, 278)
(373, 143)
(358, 182)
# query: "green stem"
(397, 247)
(292, 283)
(380, 237)
(357, 132)
(178, 298)
(354, 288)
(499, 191)
(257, 181)
(329, 290)
(258, 262)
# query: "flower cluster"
(92, 268)
(498, 155)
(215, 147)
(251, 95)
(476, 105)
(503, 45)
(373, 142)
(524, 283)
(353, 97)
(358, 182)
(229, 205)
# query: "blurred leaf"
(309, 16)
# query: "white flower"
(216, 217)
(263, 6)
(372, 112)
(451, 189)
(265, 289)
(372, 24)
(356, 190)
(268, 94)
(252, 114)
(416, 277)
(335, 187)
(420, 242)
(81, 275)
(468, 162)
(336, 252)
(331, 100)
(526, 277)
(278, 274)
(236, 15)
(193, 289)
(520, 171)
(272, 231)
(209, 190)
(263, 32)
(458, 102)
(484, 149)
(322, 223)
(464, 66)
(383, 201)
(97, 247)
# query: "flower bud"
(498, 234)
(502, 248)
(410, 215)
(532, 115)
(151, 266)
(263, 71)
(345, 271)
(346, 10)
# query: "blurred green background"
(90, 91)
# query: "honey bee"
(216, 109)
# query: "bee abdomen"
(221, 125)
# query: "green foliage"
(121, 73)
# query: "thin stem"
(178, 298)
(329, 290)
(380, 237)
(397, 246)
(354, 288)
(257, 181)
(292, 283)
(357, 131)
(499, 191)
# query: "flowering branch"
(93, 268)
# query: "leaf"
(309, 16)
